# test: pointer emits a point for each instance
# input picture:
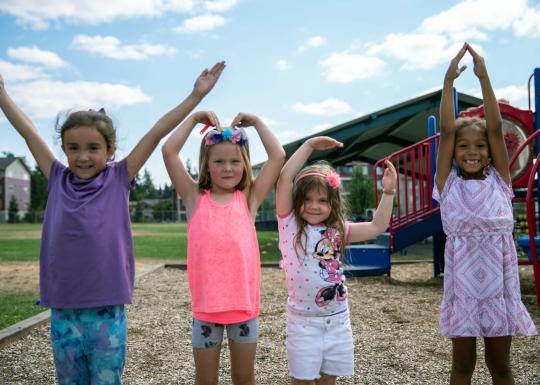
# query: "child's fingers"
(461, 53)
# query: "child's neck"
(221, 195)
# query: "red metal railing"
(415, 168)
(531, 224)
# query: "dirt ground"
(23, 277)
(394, 324)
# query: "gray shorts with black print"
(206, 335)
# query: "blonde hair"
(205, 182)
(338, 205)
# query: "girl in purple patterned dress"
(481, 282)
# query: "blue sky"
(302, 66)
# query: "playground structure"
(417, 215)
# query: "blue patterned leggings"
(89, 345)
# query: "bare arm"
(445, 153)
(285, 185)
(369, 230)
(498, 152)
(183, 183)
(276, 156)
(142, 151)
(39, 149)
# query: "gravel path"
(394, 322)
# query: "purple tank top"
(86, 257)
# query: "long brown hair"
(205, 182)
(338, 205)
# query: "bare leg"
(206, 365)
(463, 360)
(498, 359)
(242, 363)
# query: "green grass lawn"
(20, 242)
(15, 307)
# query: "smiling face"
(471, 152)
(225, 166)
(316, 207)
(86, 151)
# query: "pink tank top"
(223, 261)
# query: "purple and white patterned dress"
(481, 283)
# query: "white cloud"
(288, 136)
(345, 67)
(202, 23)
(220, 5)
(516, 95)
(45, 98)
(328, 107)
(429, 49)
(528, 24)
(282, 65)
(320, 127)
(20, 72)
(112, 47)
(475, 14)
(313, 41)
(37, 56)
(38, 14)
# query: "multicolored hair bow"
(216, 136)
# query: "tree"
(13, 210)
(163, 211)
(38, 190)
(361, 192)
(138, 215)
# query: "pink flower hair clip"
(332, 178)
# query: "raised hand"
(244, 119)
(2, 88)
(389, 178)
(206, 117)
(454, 70)
(322, 143)
(480, 69)
(208, 78)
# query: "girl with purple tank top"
(223, 253)
(482, 296)
(86, 257)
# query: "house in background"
(14, 181)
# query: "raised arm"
(39, 149)
(445, 153)
(276, 156)
(285, 185)
(142, 151)
(498, 152)
(183, 183)
(368, 230)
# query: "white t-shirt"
(315, 279)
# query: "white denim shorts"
(318, 345)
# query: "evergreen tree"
(361, 192)
(13, 210)
(38, 190)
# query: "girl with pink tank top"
(223, 252)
